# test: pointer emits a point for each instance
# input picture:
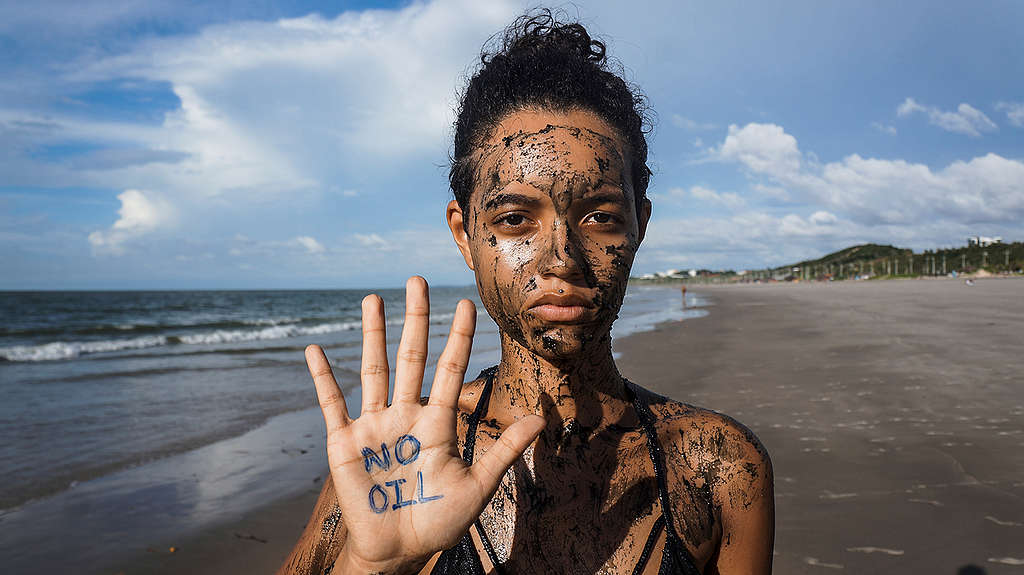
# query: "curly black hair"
(542, 62)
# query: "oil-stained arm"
(322, 539)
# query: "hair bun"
(543, 32)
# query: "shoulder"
(712, 449)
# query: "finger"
(374, 371)
(332, 401)
(492, 465)
(412, 350)
(451, 366)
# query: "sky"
(152, 144)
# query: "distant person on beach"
(551, 461)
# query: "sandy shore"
(893, 411)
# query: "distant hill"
(877, 260)
(866, 261)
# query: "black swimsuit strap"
(645, 556)
(470, 444)
(654, 449)
(478, 412)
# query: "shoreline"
(135, 515)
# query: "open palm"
(404, 491)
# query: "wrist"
(349, 564)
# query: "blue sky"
(154, 144)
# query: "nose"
(562, 257)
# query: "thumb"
(511, 444)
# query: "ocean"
(122, 398)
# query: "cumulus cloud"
(1014, 112)
(765, 148)
(988, 188)
(815, 207)
(311, 245)
(965, 120)
(141, 212)
(728, 199)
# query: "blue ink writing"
(407, 450)
(399, 503)
(405, 440)
(420, 498)
(370, 458)
(373, 503)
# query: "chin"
(569, 342)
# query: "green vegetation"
(873, 261)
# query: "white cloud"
(823, 218)
(373, 241)
(989, 188)
(311, 245)
(884, 128)
(965, 120)
(1014, 112)
(832, 205)
(728, 199)
(765, 148)
(141, 212)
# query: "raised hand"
(404, 491)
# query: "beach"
(893, 412)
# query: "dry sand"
(893, 411)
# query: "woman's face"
(551, 229)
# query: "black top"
(462, 559)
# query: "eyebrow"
(509, 198)
(608, 196)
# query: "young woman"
(550, 462)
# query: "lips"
(561, 308)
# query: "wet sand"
(893, 411)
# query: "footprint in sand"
(869, 549)
(816, 563)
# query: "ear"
(456, 223)
(643, 217)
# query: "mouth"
(562, 308)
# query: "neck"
(588, 392)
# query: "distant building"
(983, 241)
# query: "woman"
(550, 462)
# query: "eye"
(602, 219)
(512, 220)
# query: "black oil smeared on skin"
(593, 449)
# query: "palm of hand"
(404, 491)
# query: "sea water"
(174, 404)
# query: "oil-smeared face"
(553, 229)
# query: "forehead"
(544, 146)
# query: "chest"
(586, 507)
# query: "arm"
(745, 493)
(321, 540)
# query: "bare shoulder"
(713, 449)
